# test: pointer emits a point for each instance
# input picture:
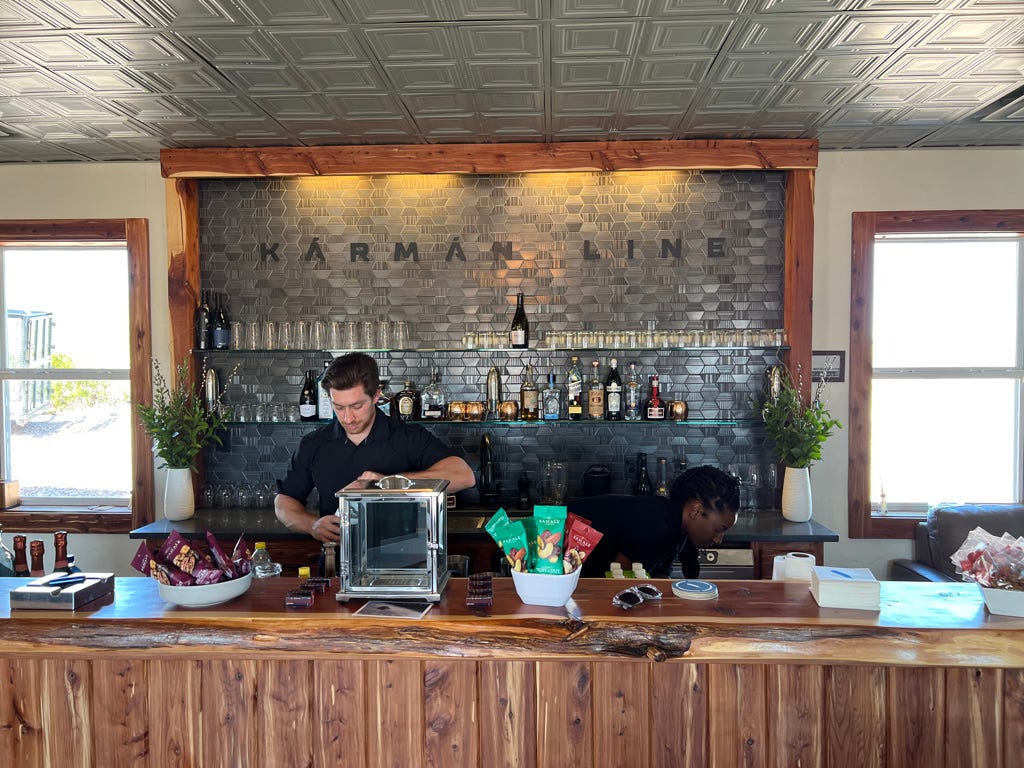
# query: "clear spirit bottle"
(551, 400)
(632, 405)
(433, 403)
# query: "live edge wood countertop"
(918, 625)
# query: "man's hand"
(326, 529)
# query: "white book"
(855, 588)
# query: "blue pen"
(840, 573)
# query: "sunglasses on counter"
(632, 597)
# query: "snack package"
(991, 561)
(498, 520)
(144, 560)
(550, 538)
(512, 540)
(174, 577)
(179, 553)
(206, 572)
(530, 524)
(242, 550)
(580, 540)
(570, 517)
(220, 556)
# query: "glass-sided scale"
(394, 539)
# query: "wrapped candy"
(991, 561)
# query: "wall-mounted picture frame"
(831, 363)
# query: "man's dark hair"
(715, 489)
(352, 370)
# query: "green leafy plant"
(177, 420)
(797, 430)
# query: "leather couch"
(942, 533)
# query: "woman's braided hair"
(715, 489)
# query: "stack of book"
(845, 588)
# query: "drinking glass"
(401, 340)
(269, 335)
(276, 411)
(252, 335)
(237, 335)
(559, 481)
(286, 334)
(302, 335)
(384, 334)
(243, 412)
(351, 335)
(244, 495)
(368, 335)
(337, 335)
(259, 412)
(318, 335)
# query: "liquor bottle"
(433, 403)
(36, 549)
(60, 551)
(493, 392)
(324, 406)
(408, 402)
(202, 322)
(386, 399)
(643, 480)
(20, 556)
(6, 558)
(519, 332)
(661, 478)
(528, 397)
(307, 398)
(613, 393)
(632, 406)
(574, 390)
(220, 328)
(595, 394)
(551, 400)
(654, 409)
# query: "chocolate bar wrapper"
(242, 566)
(242, 550)
(180, 553)
(207, 573)
(143, 560)
(175, 577)
(220, 556)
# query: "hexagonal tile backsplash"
(678, 250)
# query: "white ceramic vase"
(179, 497)
(796, 494)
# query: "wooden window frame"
(867, 225)
(135, 234)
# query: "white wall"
(845, 182)
(884, 180)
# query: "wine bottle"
(409, 402)
(202, 322)
(595, 394)
(661, 478)
(528, 397)
(20, 556)
(307, 398)
(36, 549)
(324, 406)
(60, 551)
(551, 400)
(632, 400)
(613, 393)
(221, 328)
(643, 480)
(654, 410)
(519, 332)
(574, 390)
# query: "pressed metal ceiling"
(121, 79)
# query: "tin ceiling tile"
(288, 12)
(311, 46)
(502, 41)
(486, 75)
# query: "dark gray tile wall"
(569, 254)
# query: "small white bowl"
(1004, 602)
(200, 596)
(545, 588)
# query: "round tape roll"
(694, 589)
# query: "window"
(936, 364)
(74, 301)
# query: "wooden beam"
(747, 154)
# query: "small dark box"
(298, 598)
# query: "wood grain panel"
(490, 158)
(395, 697)
(176, 731)
(21, 716)
(795, 695)
(855, 707)
(1013, 714)
(679, 715)
(229, 713)
(508, 714)
(340, 727)
(916, 717)
(798, 289)
(60, 231)
(450, 713)
(285, 721)
(565, 727)
(120, 692)
(141, 383)
(67, 713)
(621, 695)
(737, 719)
(974, 717)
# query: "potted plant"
(180, 426)
(798, 431)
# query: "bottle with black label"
(574, 390)
(613, 393)
(220, 326)
(643, 480)
(595, 394)
(408, 402)
(307, 398)
(202, 322)
(386, 399)
(324, 406)
(519, 332)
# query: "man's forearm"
(293, 514)
(453, 469)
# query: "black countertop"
(262, 525)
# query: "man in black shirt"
(701, 507)
(360, 444)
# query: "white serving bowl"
(545, 588)
(200, 596)
(1004, 602)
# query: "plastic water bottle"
(262, 565)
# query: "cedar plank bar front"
(760, 677)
